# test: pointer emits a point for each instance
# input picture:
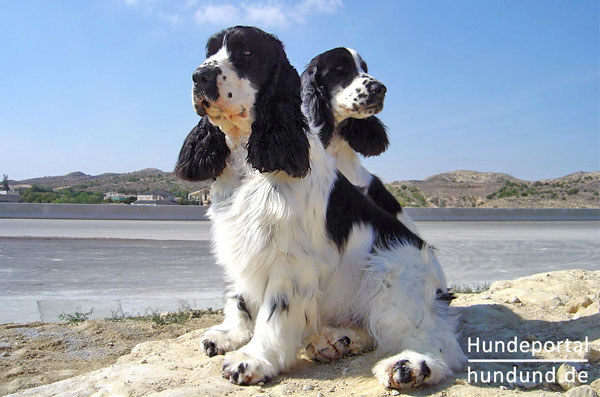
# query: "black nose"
(377, 89)
(205, 75)
(205, 81)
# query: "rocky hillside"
(147, 179)
(488, 189)
(450, 189)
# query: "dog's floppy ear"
(278, 141)
(316, 101)
(367, 136)
(203, 153)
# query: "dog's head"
(249, 90)
(339, 96)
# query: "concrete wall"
(103, 211)
(198, 213)
(504, 214)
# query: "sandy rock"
(565, 378)
(526, 385)
(596, 385)
(581, 391)
(593, 354)
(592, 309)
(5, 346)
(178, 367)
(578, 303)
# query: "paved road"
(139, 266)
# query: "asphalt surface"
(50, 267)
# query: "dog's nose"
(205, 75)
(377, 89)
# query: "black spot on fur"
(203, 153)
(382, 197)
(444, 296)
(425, 371)
(347, 206)
(367, 136)
(280, 302)
(241, 304)
(229, 95)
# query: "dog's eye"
(246, 53)
(339, 67)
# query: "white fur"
(269, 235)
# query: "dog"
(304, 251)
(340, 99)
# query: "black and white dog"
(304, 251)
(340, 99)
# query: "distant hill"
(450, 189)
(464, 188)
(140, 181)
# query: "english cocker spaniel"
(304, 251)
(340, 100)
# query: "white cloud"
(319, 6)
(264, 13)
(217, 15)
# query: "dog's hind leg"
(331, 344)
(414, 329)
(234, 332)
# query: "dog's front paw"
(216, 341)
(242, 369)
(409, 370)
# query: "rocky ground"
(545, 307)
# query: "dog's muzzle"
(376, 92)
(205, 87)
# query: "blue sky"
(504, 86)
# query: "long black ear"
(367, 136)
(278, 141)
(316, 101)
(203, 153)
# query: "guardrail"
(198, 213)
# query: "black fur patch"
(241, 304)
(444, 296)
(279, 302)
(203, 153)
(278, 141)
(382, 197)
(317, 102)
(347, 206)
(366, 136)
